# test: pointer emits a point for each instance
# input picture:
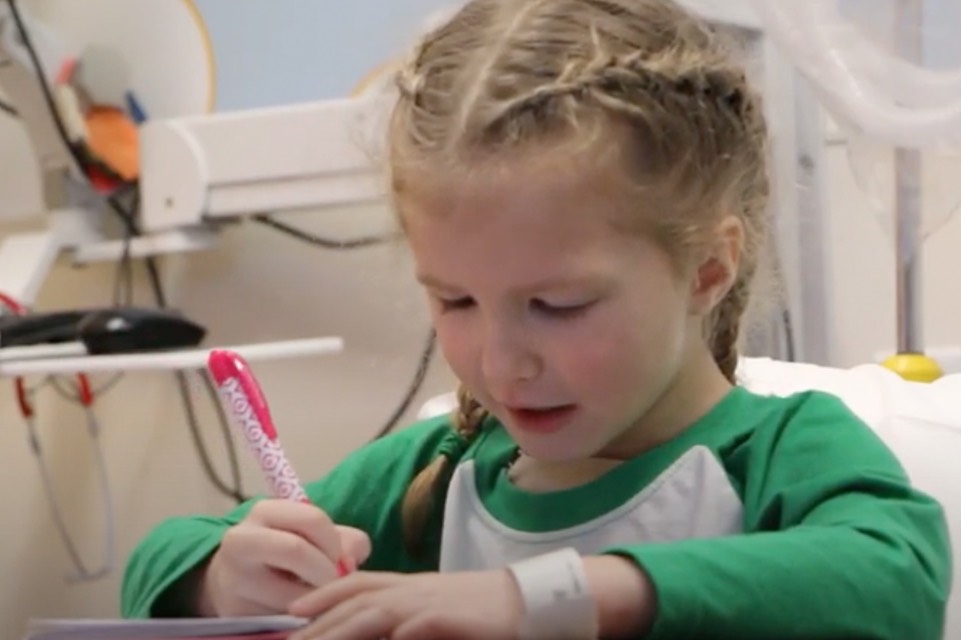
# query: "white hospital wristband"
(557, 601)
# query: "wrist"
(556, 597)
(198, 590)
(624, 594)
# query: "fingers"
(352, 625)
(302, 519)
(270, 594)
(370, 606)
(355, 547)
(232, 589)
(430, 624)
(333, 594)
(278, 554)
(256, 547)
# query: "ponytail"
(421, 497)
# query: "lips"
(541, 420)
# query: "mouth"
(542, 420)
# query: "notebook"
(247, 628)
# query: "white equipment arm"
(310, 156)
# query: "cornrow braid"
(614, 80)
(726, 328)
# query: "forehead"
(527, 219)
(561, 177)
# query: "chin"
(554, 448)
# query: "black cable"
(423, 365)
(326, 243)
(44, 88)
(123, 276)
(235, 493)
(131, 228)
(190, 412)
(358, 243)
(73, 395)
(183, 385)
(789, 334)
(9, 109)
(156, 286)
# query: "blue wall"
(273, 52)
(943, 26)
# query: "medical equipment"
(201, 172)
(86, 398)
(101, 331)
(39, 70)
(891, 98)
(85, 395)
(25, 364)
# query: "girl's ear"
(717, 271)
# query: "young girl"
(583, 187)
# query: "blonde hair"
(509, 75)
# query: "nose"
(508, 356)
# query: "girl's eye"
(560, 310)
(454, 304)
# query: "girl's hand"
(279, 552)
(367, 606)
(469, 605)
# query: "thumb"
(354, 545)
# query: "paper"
(247, 628)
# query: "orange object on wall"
(113, 138)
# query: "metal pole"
(908, 24)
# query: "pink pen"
(248, 407)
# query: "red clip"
(26, 409)
(84, 390)
(14, 305)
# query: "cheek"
(618, 356)
(600, 365)
(458, 347)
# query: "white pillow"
(920, 422)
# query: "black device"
(109, 330)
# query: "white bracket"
(172, 360)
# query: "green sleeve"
(837, 544)
(364, 491)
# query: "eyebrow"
(542, 285)
(431, 281)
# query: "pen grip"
(278, 472)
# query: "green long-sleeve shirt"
(771, 518)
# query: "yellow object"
(915, 367)
(198, 20)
